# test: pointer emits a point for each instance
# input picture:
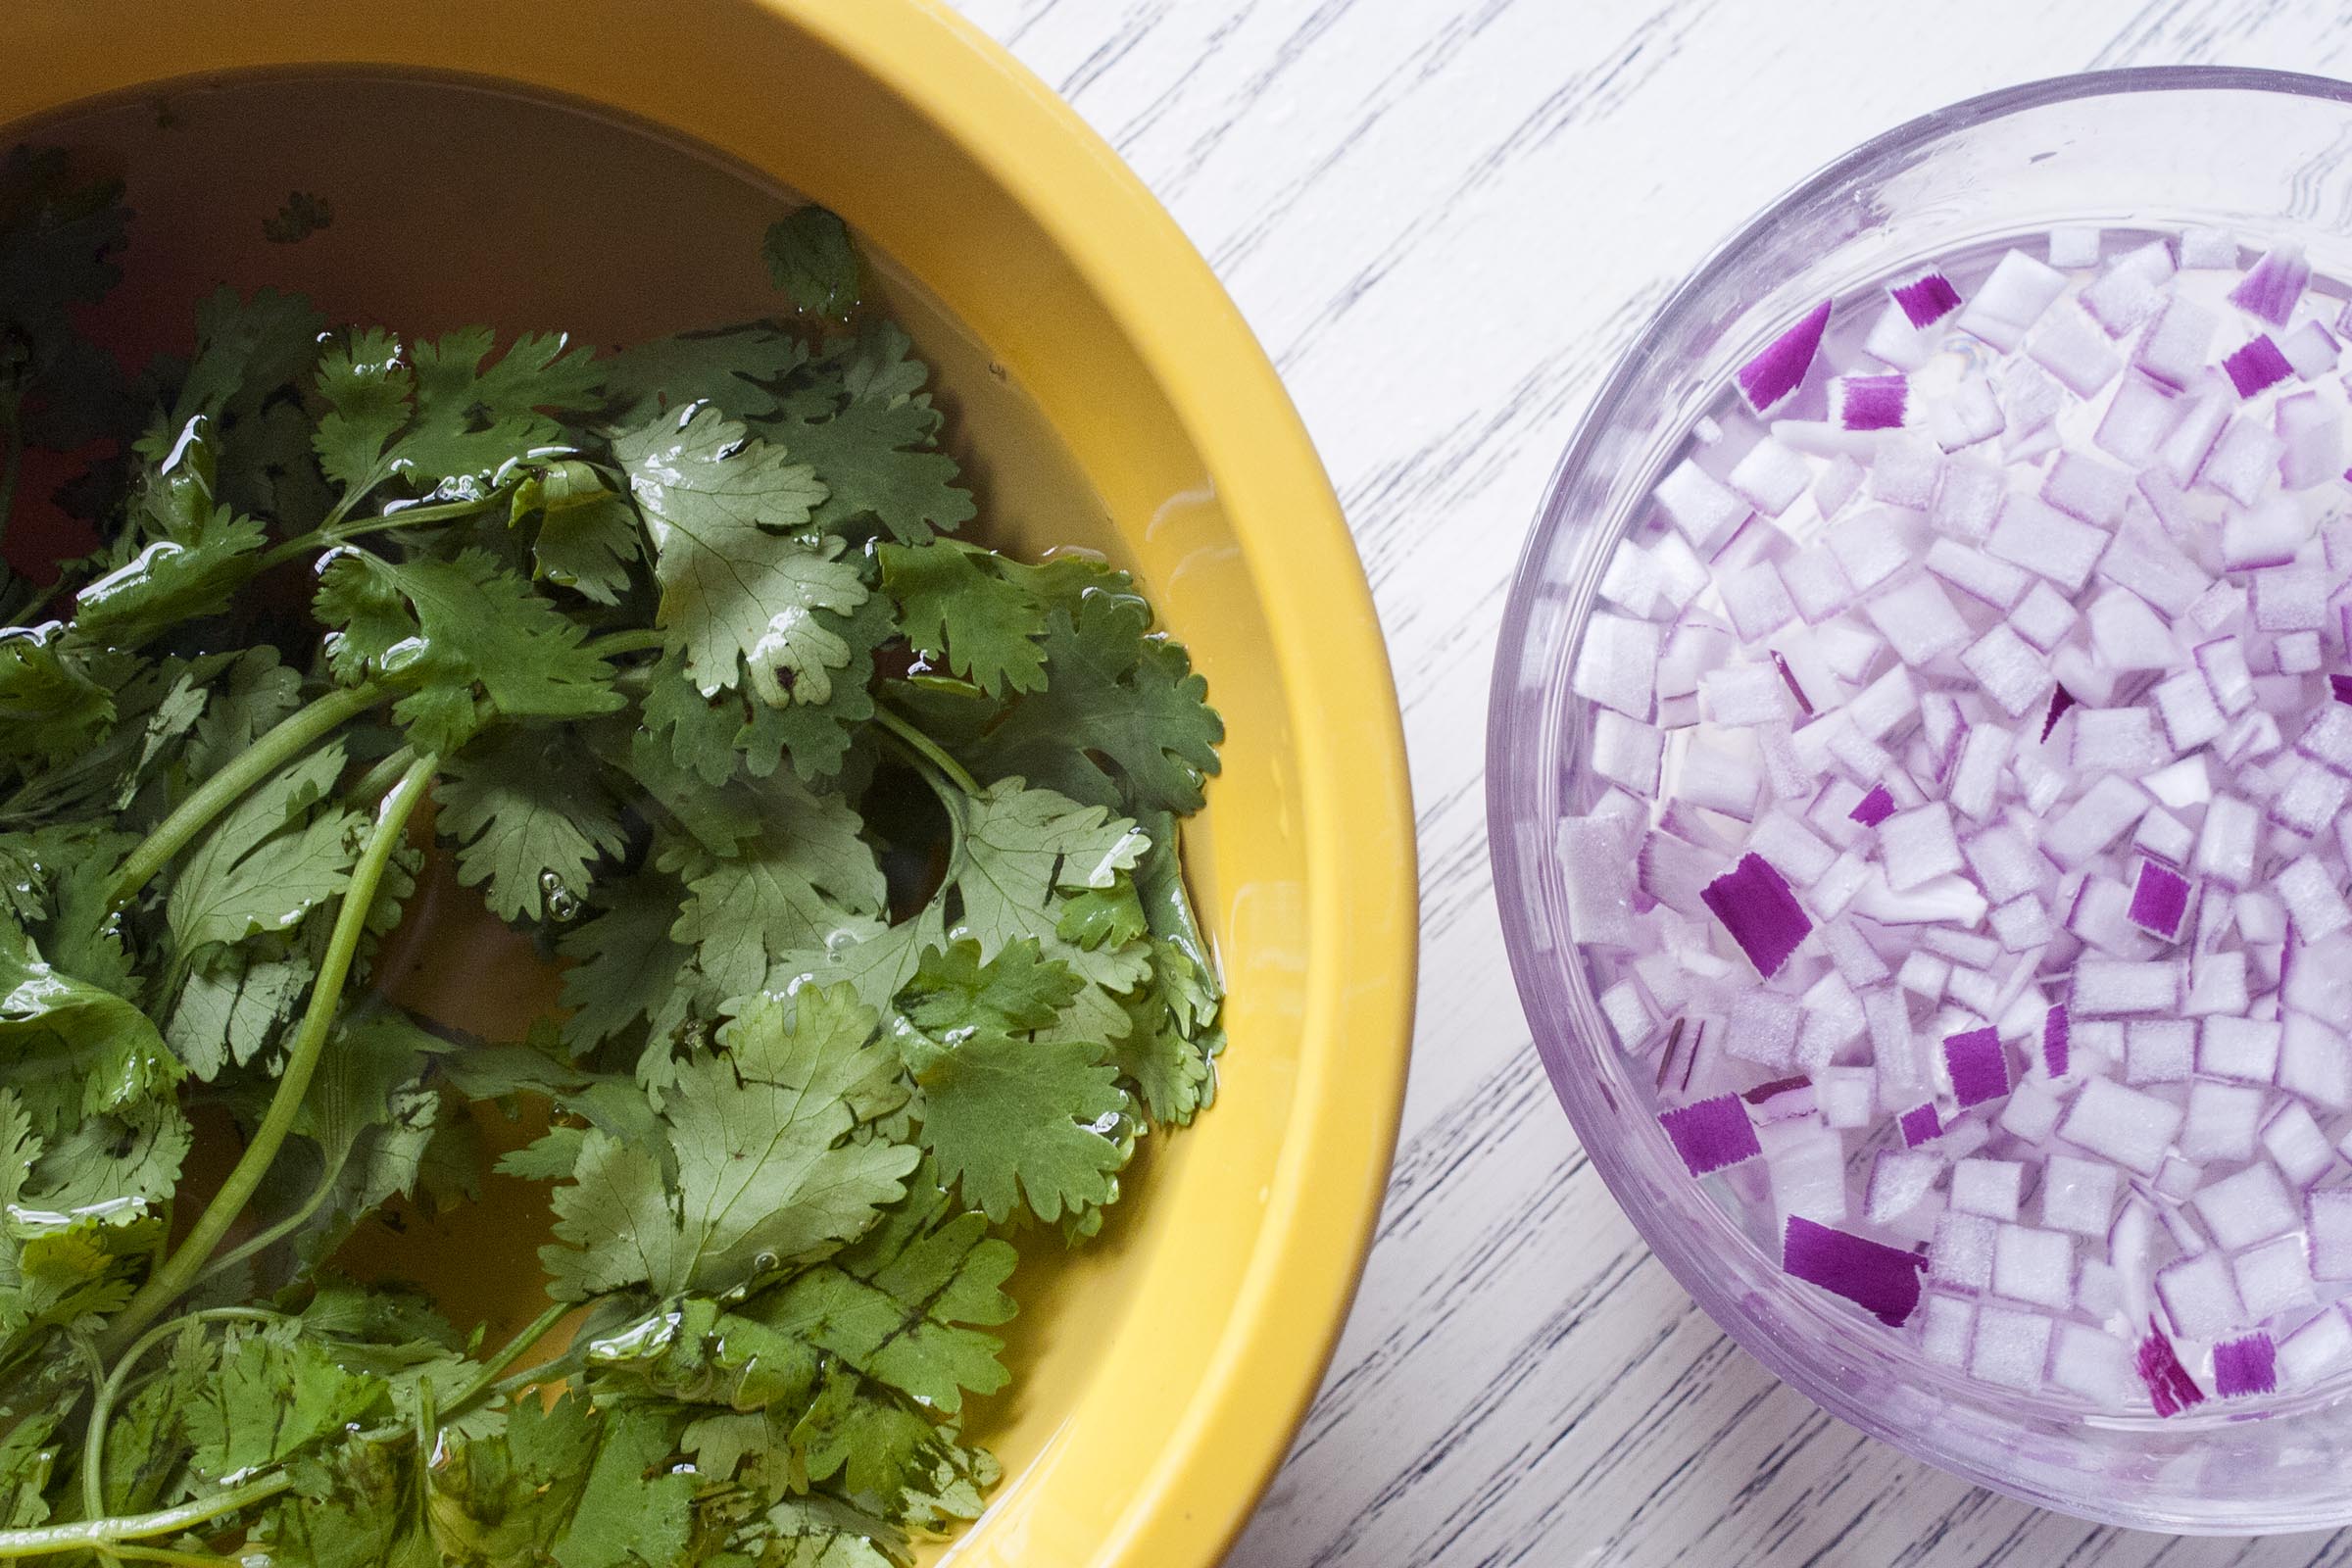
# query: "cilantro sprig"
(855, 842)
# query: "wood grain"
(1445, 219)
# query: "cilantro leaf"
(790, 889)
(986, 627)
(588, 536)
(878, 459)
(257, 455)
(1117, 693)
(767, 1168)
(624, 964)
(811, 258)
(233, 1004)
(734, 586)
(1011, 1120)
(734, 369)
(94, 1052)
(53, 700)
(367, 385)
(444, 415)
(441, 628)
(1020, 854)
(905, 1305)
(530, 817)
(273, 858)
(276, 1393)
(189, 571)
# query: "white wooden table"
(1445, 219)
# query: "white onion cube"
(2328, 1232)
(2034, 1265)
(2038, 536)
(1699, 504)
(2123, 1125)
(2078, 1194)
(1617, 665)
(2273, 1278)
(2011, 1348)
(2223, 1121)
(2011, 672)
(2200, 1296)
(2250, 1207)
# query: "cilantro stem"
(632, 640)
(280, 745)
(382, 776)
(91, 1535)
(202, 1559)
(936, 754)
(263, 1241)
(102, 1408)
(165, 1285)
(552, 1371)
(531, 1333)
(336, 531)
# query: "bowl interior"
(464, 207)
(2153, 150)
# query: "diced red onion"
(2247, 1364)
(2272, 284)
(2257, 366)
(2170, 1386)
(1712, 1134)
(1881, 1280)
(1927, 298)
(1776, 373)
(1755, 906)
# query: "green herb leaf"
(1114, 691)
(443, 628)
(528, 810)
(735, 586)
(809, 258)
(1013, 1121)
(767, 1170)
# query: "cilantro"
(1017, 1120)
(531, 818)
(769, 1169)
(440, 628)
(809, 258)
(304, 214)
(853, 844)
(1112, 694)
(736, 586)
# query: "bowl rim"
(1593, 1119)
(1190, 1499)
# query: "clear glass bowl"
(2265, 153)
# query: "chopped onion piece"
(1927, 298)
(1712, 1134)
(1776, 373)
(2170, 1386)
(1881, 1280)
(2247, 1364)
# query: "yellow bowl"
(1169, 1369)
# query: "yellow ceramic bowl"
(1168, 1370)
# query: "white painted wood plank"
(1445, 219)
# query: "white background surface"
(1445, 219)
